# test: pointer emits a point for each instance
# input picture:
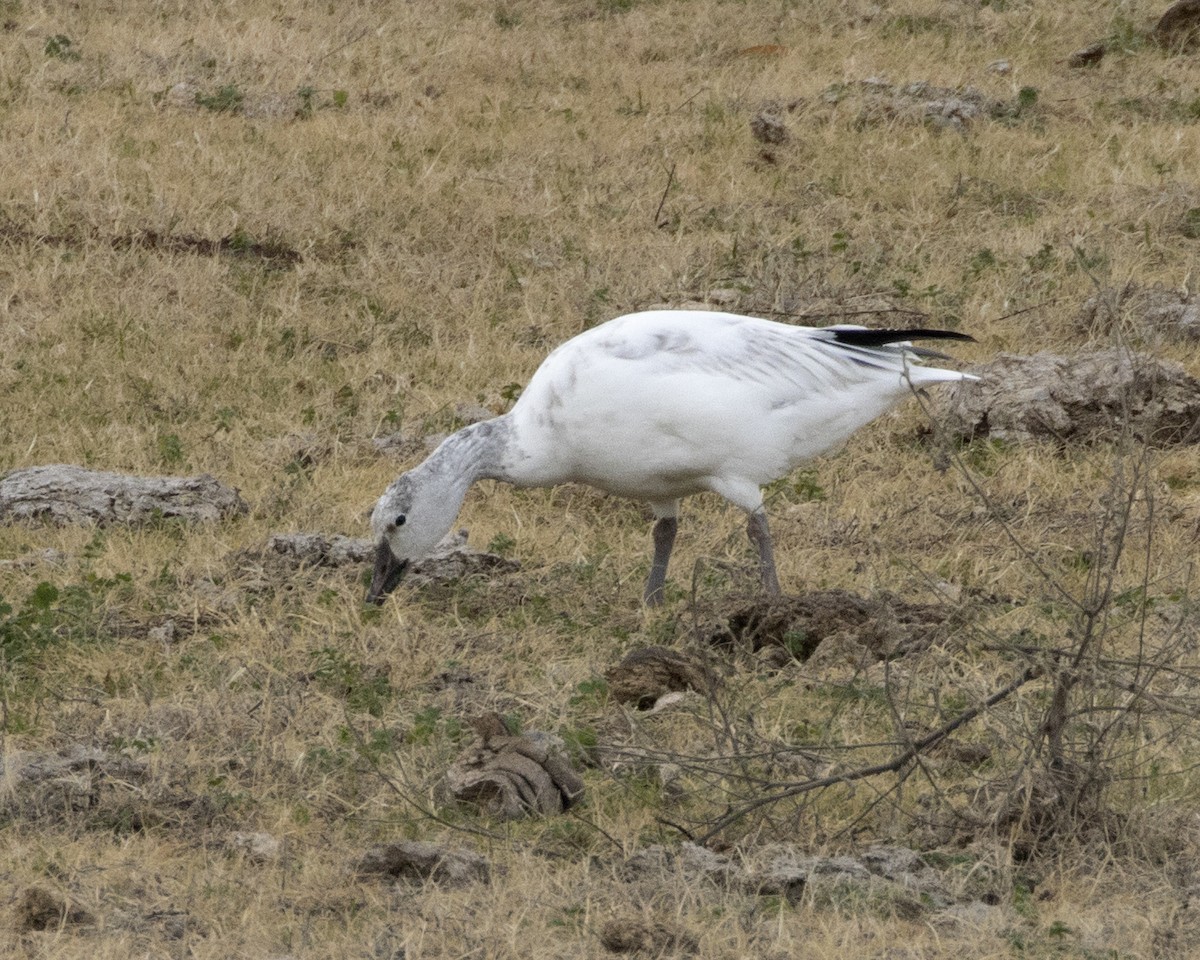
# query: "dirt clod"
(1150, 313)
(768, 127)
(1090, 396)
(39, 909)
(1088, 56)
(452, 559)
(69, 494)
(1179, 26)
(651, 937)
(885, 625)
(646, 674)
(417, 860)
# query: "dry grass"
(247, 238)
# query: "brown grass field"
(246, 239)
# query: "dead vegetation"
(289, 251)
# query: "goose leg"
(760, 536)
(664, 540)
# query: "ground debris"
(70, 494)
(318, 550)
(952, 108)
(1088, 56)
(512, 776)
(257, 846)
(451, 559)
(645, 675)
(235, 245)
(39, 909)
(418, 860)
(1179, 26)
(1155, 313)
(74, 772)
(883, 627)
(95, 788)
(48, 556)
(1091, 396)
(689, 862)
(896, 875)
(655, 938)
(767, 126)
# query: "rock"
(468, 413)
(318, 550)
(164, 633)
(1179, 26)
(973, 914)
(721, 296)
(35, 558)
(1002, 67)
(689, 863)
(416, 860)
(1092, 396)
(894, 863)
(258, 846)
(75, 764)
(953, 108)
(1151, 313)
(646, 674)
(784, 871)
(55, 787)
(1088, 56)
(69, 494)
(654, 938)
(511, 776)
(183, 95)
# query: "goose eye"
(399, 521)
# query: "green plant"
(362, 687)
(170, 450)
(225, 99)
(501, 544)
(60, 47)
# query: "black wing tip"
(879, 338)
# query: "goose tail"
(897, 343)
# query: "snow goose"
(659, 405)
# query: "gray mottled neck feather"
(477, 452)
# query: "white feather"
(660, 405)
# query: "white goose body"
(659, 405)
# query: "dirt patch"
(884, 626)
(236, 244)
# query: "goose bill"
(387, 573)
